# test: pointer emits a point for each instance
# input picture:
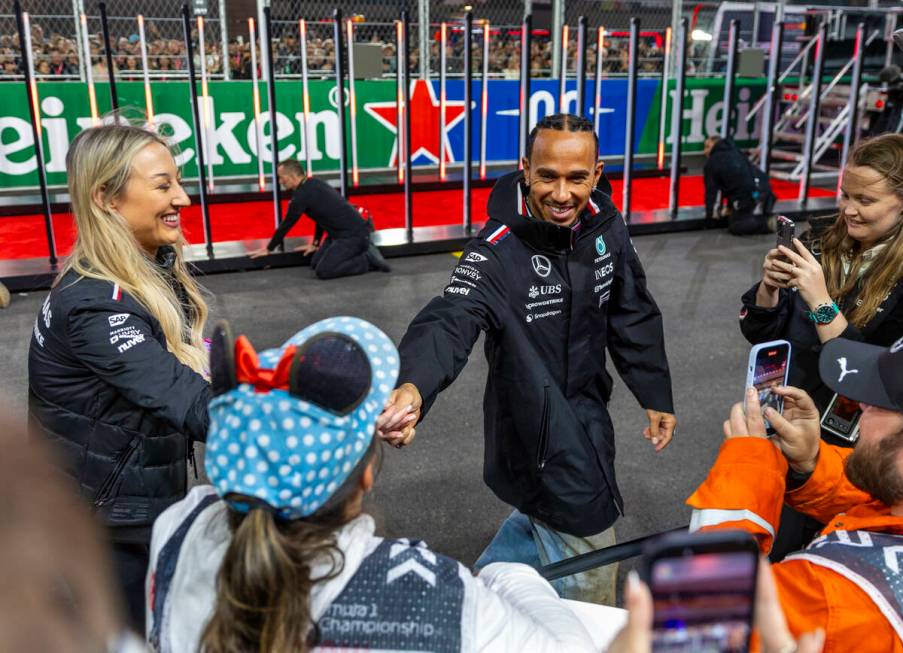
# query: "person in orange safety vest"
(848, 581)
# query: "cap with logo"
(288, 427)
(862, 372)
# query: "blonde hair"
(884, 155)
(100, 159)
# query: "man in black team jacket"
(347, 249)
(553, 280)
(745, 186)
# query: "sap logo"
(473, 257)
(451, 290)
(116, 320)
(603, 272)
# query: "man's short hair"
(293, 166)
(561, 122)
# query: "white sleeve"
(515, 609)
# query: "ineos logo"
(541, 265)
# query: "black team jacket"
(551, 300)
(120, 410)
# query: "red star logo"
(424, 109)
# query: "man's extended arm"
(295, 210)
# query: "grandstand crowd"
(58, 55)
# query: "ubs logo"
(541, 265)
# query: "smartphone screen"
(770, 370)
(703, 602)
(845, 408)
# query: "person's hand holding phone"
(773, 279)
(798, 430)
(805, 272)
(746, 418)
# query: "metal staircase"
(789, 133)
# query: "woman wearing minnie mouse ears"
(277, 555)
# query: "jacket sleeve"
(438, 341)
(828, 492)
(119, 348)
(636, 338)
(758, 324)
(296, 209)
(515, 609)
(743, 490)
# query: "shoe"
(376, 260)
(4, 296)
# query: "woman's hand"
(806, 274)
(773, 279)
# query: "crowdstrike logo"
(541, 265)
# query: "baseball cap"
(292, 423)
(862, 372)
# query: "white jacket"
(508, 607)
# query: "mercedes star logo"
(541, 265)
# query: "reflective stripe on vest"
(869, 560)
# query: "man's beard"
(873, 468)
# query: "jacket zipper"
(103, 494)
(192, 461)
(542, 451)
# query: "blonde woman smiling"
(117, 359)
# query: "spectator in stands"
(346, 249)
(744, 186)
(58, 593)
(117, 359)
(848, 285)
(277, 554)
(847, 581)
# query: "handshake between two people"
(797, 430)
(398, 421)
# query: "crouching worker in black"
(347, 249)
(745, 186)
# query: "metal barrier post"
(812, 122)
(771, 94)
(581, 64)
(352, 103)
(631, 106)
(31, 90)
(563, 73)
(484, 99)
(148, 97)
(524, 118)
(443, 46)
(305, 100)
(266, 36)
(597, 96)
(468, 119)
(727, 110)
(105, 28)
(199, 143)
(663, 109)
(851, 133)
(406, 83)
(206, 100)
(338, 41)
(255, 94)
(677, 117)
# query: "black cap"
(866, 373)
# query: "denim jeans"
(529, 541)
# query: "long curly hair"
(884, 155)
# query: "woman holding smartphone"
(117, 360)
(849, 285)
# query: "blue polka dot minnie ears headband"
(288, 426)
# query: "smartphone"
(842, 418)
(703, 591)
(786, 232)
(768, 366)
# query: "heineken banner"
(233, 147)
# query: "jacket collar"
(508, 205)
